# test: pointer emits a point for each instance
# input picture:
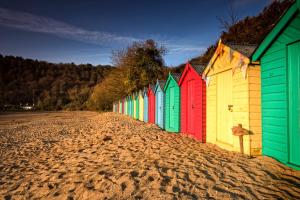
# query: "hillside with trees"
(247, 31)
(46, 85)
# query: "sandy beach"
(89, 155)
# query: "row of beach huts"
(246, 99)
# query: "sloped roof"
(246, 50)
(140, 92)
(280, 25)
(176, 76)
(198, 68)
(161, 84)
(145, 90)
(152, 87)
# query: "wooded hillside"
(248, 31)
(49, 86)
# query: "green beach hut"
(172, 107)
(137, 105)
(132, 105)
(279, 56)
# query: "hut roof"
(145, 90)
(161, 84)
(277, 29)
(176, 76)
(198, 68)
(152, 87)
(246, 50)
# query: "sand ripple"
(86, 155)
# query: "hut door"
(190, 108)
(294, 102)
(224, 101)
(172, 107)
(158, 108)
(152, 109)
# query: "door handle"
(230, 108)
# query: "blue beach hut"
(145, 105)
(159, 103)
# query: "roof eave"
(170, 77)
(183, 73)
(281, 24)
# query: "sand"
(88, 155)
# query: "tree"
(26, 81)
(136, 67)
(143, 63)
(227, 23)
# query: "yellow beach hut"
(141, 106)
(234, 100)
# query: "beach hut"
(141, 105)
(129, 105)
(193, 102)
(135, 105)
(151, 104)
(125, 105)
(145, 105)
(119, 106)
(132, 105)
(279, 56)
(159, 103)
(137, 111)
(233, 99)
(172, 111)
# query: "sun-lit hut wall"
(159, 103)
(151, 104)
(233, 97)
(145, 118)
(193, 102)
(125, 105)
(172, 103)
(141, 105)
(279, 55)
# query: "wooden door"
(151, 108)
(190, 107)
(224, 101)
(172, 107)
(146, 108)
(158, 109)
(294, 102)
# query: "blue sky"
(88, 31)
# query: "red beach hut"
(123, 102)
(193, 102)
(151, 104)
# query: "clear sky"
(88, 31)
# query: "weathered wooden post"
(240, 131)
